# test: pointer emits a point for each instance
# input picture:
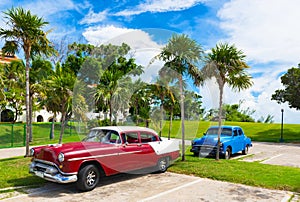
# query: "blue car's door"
(237, 141)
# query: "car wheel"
(245, 152)
(196, 154)
(162, 164)
(88, 178)
(227, 153)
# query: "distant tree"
(14, 87)
(25, 32)
(118, 67)
(291, 91)
(140, 102)
(226, 64)
(268, 119)
(39, 71)
(192, 105)
(60, 93)
(234, 113)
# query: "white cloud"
(158, 6)
(265, 86)
(266, 30)
(143, 47)
(92, 17)
(101, 34)
(47, 8)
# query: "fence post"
(12, 135)
(24, 135)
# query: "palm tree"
(181, 54)
(110, 79)
(60, 89)
(226, 64)
(25, 32)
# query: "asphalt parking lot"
(275, 154)
(169, 186)
(153, 187)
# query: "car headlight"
(192, 142)
(31, 152)
(61, 157)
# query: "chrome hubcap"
(91, 178)
(163, 164)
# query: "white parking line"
(171, 190)
(272, 158)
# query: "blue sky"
(266, 30)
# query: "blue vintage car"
(232, 140)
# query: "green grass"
(13, 135)
(256, 131)
(248, 173)
(14, 173)
(260, 132)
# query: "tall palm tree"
(226, 64)
(25, 33)
(182, 54)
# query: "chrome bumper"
(50, 172)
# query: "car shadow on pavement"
(53, 190)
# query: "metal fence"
(14, 135)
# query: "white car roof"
(125, 128)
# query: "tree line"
(70, 81)
(181, 55)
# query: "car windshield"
(214, 131)
(103, 136)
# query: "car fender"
(164, 146)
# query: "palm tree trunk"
(52, 126)
(62, 129)
(220, 121)
(170, 124)
(27, 101)
(161, 119)
(182, 119)
(63, 119)
(30, 117)
(110, 110)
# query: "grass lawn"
(260, 132)
(13, 136)
(248, 173)
(14, 173)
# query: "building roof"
(7, 58)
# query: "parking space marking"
(171, 190)
(272, 158)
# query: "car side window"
(114, 138)
(235, 133)
(132, 137)
(148, 137)
(240, 132)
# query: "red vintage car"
(104, 151)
